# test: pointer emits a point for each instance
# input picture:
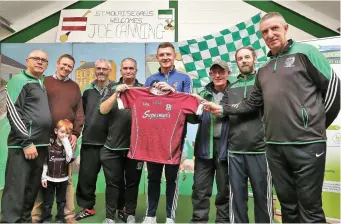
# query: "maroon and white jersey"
(158, 121)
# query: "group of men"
(289, 103)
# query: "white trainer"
(131, 219)
(149, 220)
(169, 220)
(108, 221)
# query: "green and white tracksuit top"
(246, 134)
(300, 93)
(28, 111)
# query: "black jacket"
(96, 125)
(300, 92)
(119, 123)
(28, 111)
(246, 133)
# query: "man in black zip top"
(116, 165)
(300, 93)
(95, 133)
(246, 154)
(29, 116)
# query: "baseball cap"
(220, 63)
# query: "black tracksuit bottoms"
(298, 173)
(253, 167)
(204, 172)
(119, 169)
(90, 165)
(22, 183)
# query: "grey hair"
(129, 59)
(270, 15)
(103, 60)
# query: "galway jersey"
(158, 121)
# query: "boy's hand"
(44, 183)
(73, 141)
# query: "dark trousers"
(58, 189)
(90, 165)
(132, 174)
(120, 202)
(154, 185)
(118, 167)
(298, 172)
(22, 183)
(204, 172)
(254, 167)
(129, 188)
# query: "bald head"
(38, 53)
(37, 62)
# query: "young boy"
(55, 173)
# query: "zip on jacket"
(301, 98)
(203, 147)
(119, 123)
(246, 133)
(28, 111)
(96, 125)
(181, 82)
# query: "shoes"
(131, 219)
(149, 220)
(122, 215)
(85, 213)
(169, 220)
(108, 221)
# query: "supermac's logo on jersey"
(149, 115)
(289, 62)
(168, 107)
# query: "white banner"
(116, 25)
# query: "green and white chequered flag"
(198, 54)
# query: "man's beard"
(246, 70)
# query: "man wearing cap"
(210, 151)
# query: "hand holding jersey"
(213, 108)
(163, 86)
(160, 115)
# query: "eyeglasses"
(216, 73)
(103, 69)
(36, 59)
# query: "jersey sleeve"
(191, 105)
(126, 99)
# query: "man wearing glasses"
(30, 120)
(95, 133)
(210, 151)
